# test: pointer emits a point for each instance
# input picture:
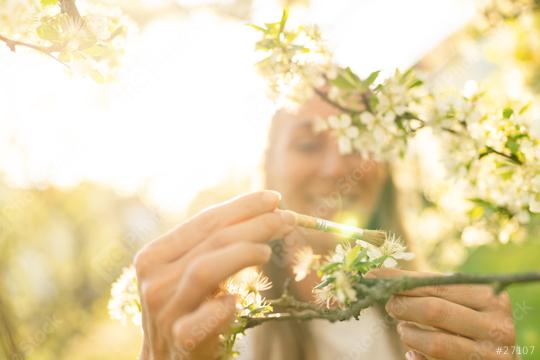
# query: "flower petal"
(390, 262)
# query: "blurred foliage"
(525, 299)
(59, 253)
(60, 250)
(527, 50)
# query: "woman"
(180, 270)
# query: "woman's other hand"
(454, 322)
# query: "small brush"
(374, 237)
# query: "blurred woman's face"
(311, 174)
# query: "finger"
(204, 274)
(473, 296)
(184, 237)
(441, 345)
(211, 318)
(259, 229)
(442, 314)
(414, 355)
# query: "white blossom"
(247, 285)
(125, 304)
(392, 249)
(344, 290)
(339, 253)
(305, 260)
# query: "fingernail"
(401, 328)
(271, 196)
(409, 355)
(267, 251)
(288, 217)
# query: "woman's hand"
(180, 271)
(450, 322)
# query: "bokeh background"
(90, 172)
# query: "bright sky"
(188, 108)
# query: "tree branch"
(47, 50)
(379, 290)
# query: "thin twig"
(511, 158)
(47, 50)
(335, 104)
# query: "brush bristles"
(375, 237)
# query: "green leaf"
(46, 3)
(325, 282)
(373, 101)
(506, 175)
(406, 74)
(266, 44)
(363, 267)
(524, 108)
(257, 27)
(352, 77)
(371, 78)
(476, 212)
(49, 33)
(341, 82)
(347, 79)
(490, 208)
(290, 36)
(284, 18)
(97, 76)
(416, 83)
(512, 145)
(507, 112)
(272, 30)
(351, 256)
(329, 267)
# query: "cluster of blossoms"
(382, 120)
(346, 267)
(288, 64)
(89, 45)
(247, 285)
(493, 152)
(16, 15)
(125, 303)
(495, 156)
